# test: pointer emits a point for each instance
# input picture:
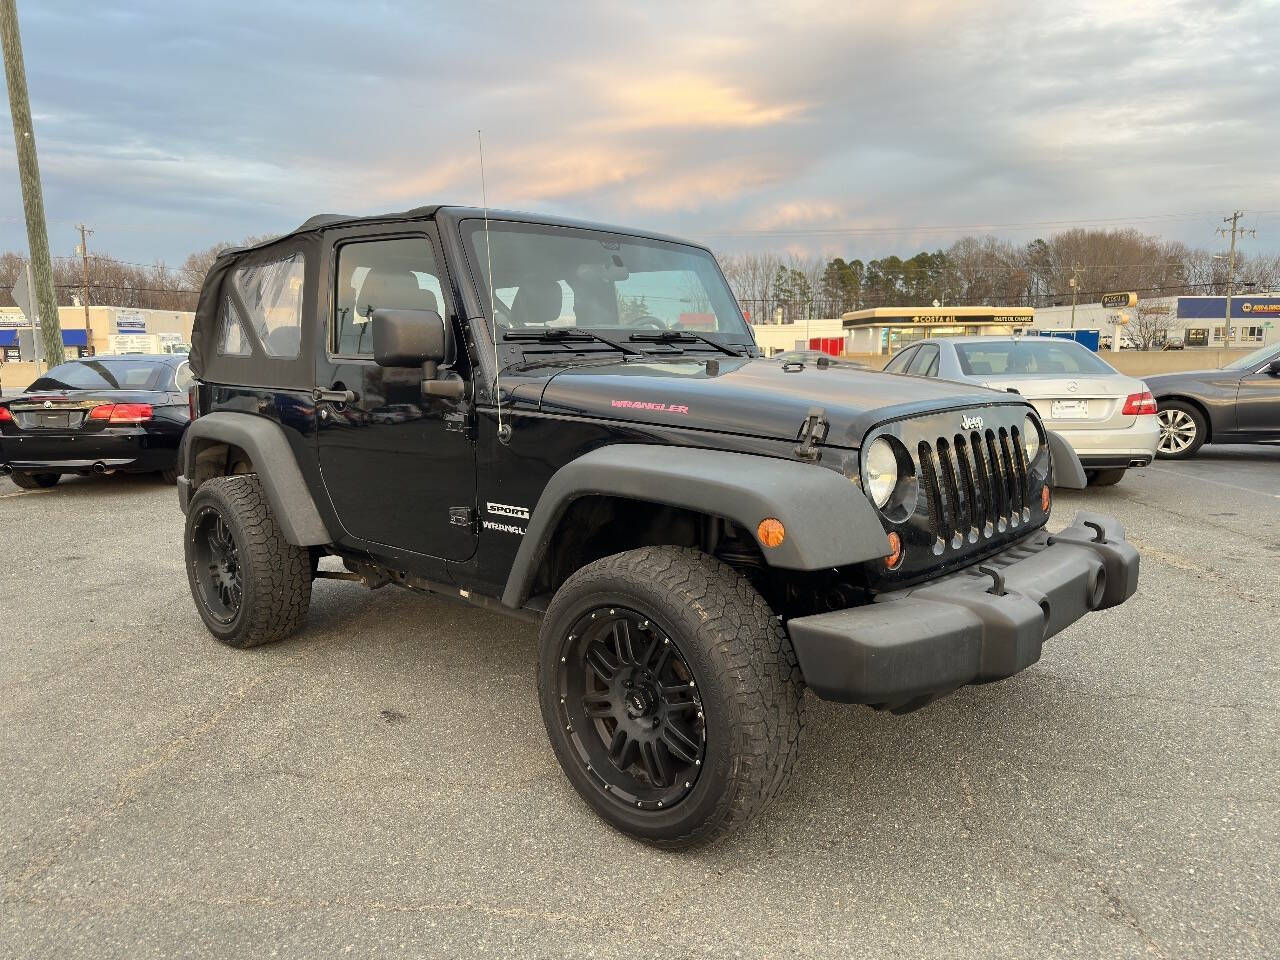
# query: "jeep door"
(398, 466)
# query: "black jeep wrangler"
(572, 423)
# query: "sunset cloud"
(745, 122)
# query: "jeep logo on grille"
(970, 423)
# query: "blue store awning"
(8, 338)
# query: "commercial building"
(112, 330)
(1196, 321)
(886, 330)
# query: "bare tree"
(1150, 324)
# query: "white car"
(1107, 417)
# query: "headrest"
(538, 302)
(397, 290)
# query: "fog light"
(771, 532)
(1044, 499)
(894, 556)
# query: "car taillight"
(191, 403)
(5, 415)
(1137, 404)
(121, 412)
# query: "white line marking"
(1219, 483)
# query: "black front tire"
(1104, 478)
(35, 481)
(748, 686)
(261, 588)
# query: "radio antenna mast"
(504, 432)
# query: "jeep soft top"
(572, 423)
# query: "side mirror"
(1273, 367)
(408, 338)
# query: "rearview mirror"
(408, 338)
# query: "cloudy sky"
(853, 128)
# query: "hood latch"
(812, 432)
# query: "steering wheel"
(648, 321)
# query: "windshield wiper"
(561, 335)
(683, 336)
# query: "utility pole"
(1234, 232)
(29, 174)
(85, 232)
(1075, 291)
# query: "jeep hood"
(752, 397)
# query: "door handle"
(333, 396)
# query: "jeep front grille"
(975, 485)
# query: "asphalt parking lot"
(381, 784)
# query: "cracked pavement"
(381, 783)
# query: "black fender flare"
(829, 522)
(1067, 469)
(273, 460)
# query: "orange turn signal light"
(894, 556)
(771, 532)
(1044, 499)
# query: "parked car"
(1107, 417)
(97, 415)
(1173, 343)
(1239, 403)
(700, 533)
(816, 357)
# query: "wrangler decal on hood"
(644, 405)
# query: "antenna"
(504, 432)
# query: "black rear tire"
(1105, 478)
(1183, 430)
(250, 585)
(35, 481)
(742, 673)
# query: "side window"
(399, 273)
(233, 342)
(925, 362)
(272, 293)
(182, 377)
(899, 363)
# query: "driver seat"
(537, 303)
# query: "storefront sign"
(1242, 308)
(130, 323)
(1117, 301)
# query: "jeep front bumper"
(913, 645)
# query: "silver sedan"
(1107, 417)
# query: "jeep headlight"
(1030, 437)
(879, 471)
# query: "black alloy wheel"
(250, 585)
(670, 693)
(631, 708)
(216, 564)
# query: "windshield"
(1253, 359)
(1042, 356)
(98, 374)
(548, 277)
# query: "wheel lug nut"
(687, 784)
